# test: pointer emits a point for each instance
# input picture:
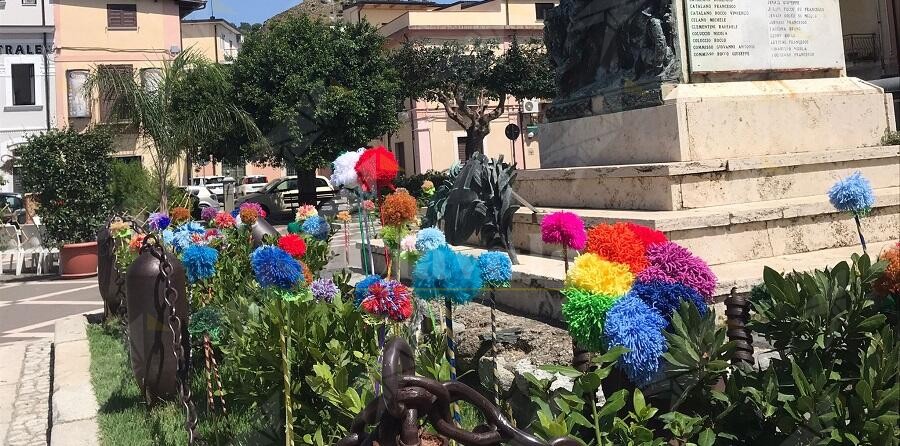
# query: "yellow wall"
(200, 37)
(83, 42)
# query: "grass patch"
(126, 419)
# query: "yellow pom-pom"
(591, 273)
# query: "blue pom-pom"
(362, 288)
(168, 236)
(199, 262)
(852, 194)
(443, 273)
(317, 227)
(634, 325)
(496, 268)
(181, 240)
(666, 297)
(430, 238)
(274, 267)
(192, 227)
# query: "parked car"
(205, 197)
(12, 208)
(251, 184)
(214, 183)
(280, 196)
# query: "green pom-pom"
(294, 228)
(392, 236)
(585, 312)
(206, 320)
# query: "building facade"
(27, 79)
(870, 38)
(427, 138)
(134, 37)
(217, 39)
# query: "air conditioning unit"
(531, 106)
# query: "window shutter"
(121, 16)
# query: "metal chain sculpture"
(407, 398)
(477, 198)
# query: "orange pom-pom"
(180, 215)
(399, 208)
(307, 274)
(889, 282)
(617, 243)
(376, 168)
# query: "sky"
(253, 11)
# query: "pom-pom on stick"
(853, 194)
(566, 229)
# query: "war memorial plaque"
(763, 35)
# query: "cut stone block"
(686, 185)
(710, 121)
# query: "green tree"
(316, 89)
(247, 28)
(170, 126)
(69, 171)
(472, 80)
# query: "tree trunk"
(163, 196)
(475, 139)
(306, 183)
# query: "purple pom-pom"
(672, 263)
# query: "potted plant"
(69, 173)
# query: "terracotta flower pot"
(78, 260)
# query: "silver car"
(281, 195)
(204, 195)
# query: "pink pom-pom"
(670, 262)
(564, 228)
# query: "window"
(400, 152)
(79, 102)
(121, 16)
(29, 2)
(461, 149)
(320, 182)
(23, 84)
(540, 10)
(108, 100)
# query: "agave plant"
(477, 199)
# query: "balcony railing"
(861, 48)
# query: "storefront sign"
(24, 48)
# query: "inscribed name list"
(764, 35)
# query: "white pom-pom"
(345, 170)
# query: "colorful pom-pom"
(617, 243)
(388, 299)
(564, 228)
(430, 238)
(275, 268)
(345, 170)
(362, 287)
(496, 268)
(248, 216)
(634, 325)
(647, 236)
(585, 313)
(294, 228)
(158, 221)
(376, 168)
(260, 212)
(852, 194)
(670, 262)
(591, 273)
(208, 213)
(399, 208)
(666, 297)
(223, 220)
(199, 262)
(292, 244)
(889, 282)
(317, 227)
(443, 273)
(324, 290)
(180, 215)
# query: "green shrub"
(70, 172)
(132, 188)
(414, 183)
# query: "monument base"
(709, 121)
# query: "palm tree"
(168, 126)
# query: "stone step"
(734, 233)
(698, 184)
(537, 280)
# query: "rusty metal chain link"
(407, 398)
(175, 326)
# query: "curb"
(74, 405)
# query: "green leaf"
(638, 401)
(707, 438)
(566, 371)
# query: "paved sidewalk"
(29, 306)
(25, 393)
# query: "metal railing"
(861, 48)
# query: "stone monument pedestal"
(710, 121)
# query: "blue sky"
(253, 11)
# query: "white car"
(213, 183)
(251, 184)
(205, 195)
